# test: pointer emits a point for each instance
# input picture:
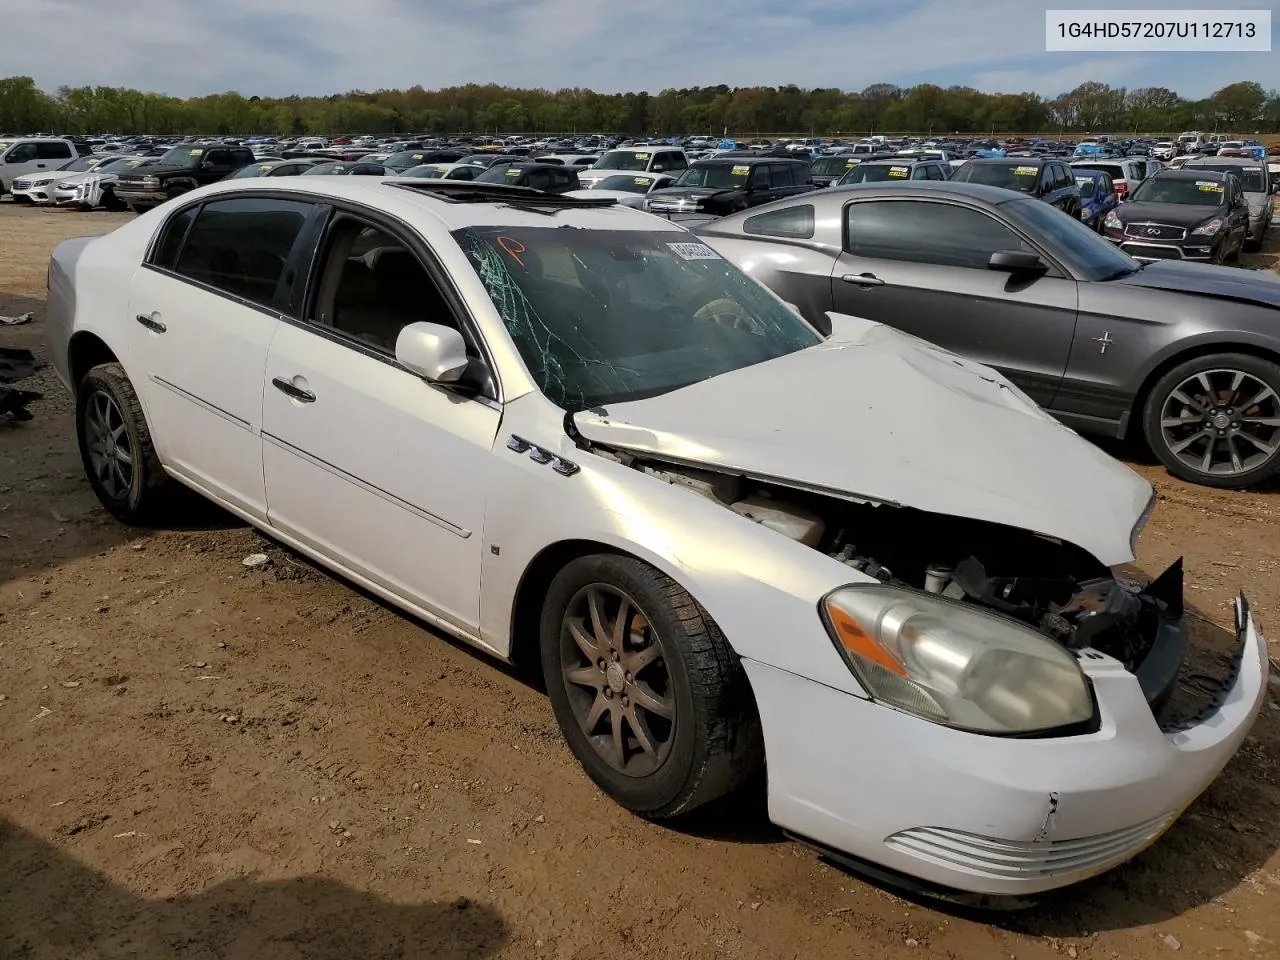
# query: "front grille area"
(1155, 231)
(1013, 859)
(21, 184)
(1151, 251)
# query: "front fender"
(760, 587)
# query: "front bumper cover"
(989, 815)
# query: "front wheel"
(651, 698)
(1215, 420)
(115, 445)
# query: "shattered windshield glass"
(605, 316)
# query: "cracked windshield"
(604, 316)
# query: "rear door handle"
(289, 390)
(150, 323)
(863, 280)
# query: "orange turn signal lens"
(855, 639)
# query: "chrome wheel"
(616, 679)
(107, 445)
(1221, 422)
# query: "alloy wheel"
(1221, 422)
(107, 444)
(617, 681)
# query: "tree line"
(1243, 107)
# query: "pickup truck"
(181, 169)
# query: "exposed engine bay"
(1053, 585)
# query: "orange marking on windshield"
(513, 247)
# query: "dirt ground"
(202, 760)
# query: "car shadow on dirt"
(56, 907)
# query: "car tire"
(669, 722)
(115, 446)
(1207, 441)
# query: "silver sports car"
(1185, 355)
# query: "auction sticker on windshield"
(1025, 171)
(694, 251)
(899, 171)
(741, 170)
(1208, 185)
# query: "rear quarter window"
(793, 223)
(240, 246)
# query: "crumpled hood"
(1230, 283)
(873, 413)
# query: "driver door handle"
(289, 390)
(863, 280)
(151, 323)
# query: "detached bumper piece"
(15, 365)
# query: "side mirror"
(1275, 186)
(432, 351)
(1016, 261)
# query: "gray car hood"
(1229, 283)
(878, 415)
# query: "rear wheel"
(652, 700)
(1215, 420)
(115, 445)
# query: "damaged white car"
(572, 435)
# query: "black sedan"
(1186, 355)
(1188, 214)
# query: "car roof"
(1027, 161)
(1184, 174)
(526, 165)
(411, 199)
(897, 161)
(955, 189)
(1229, 161)
(742, 160)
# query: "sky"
(318, 47)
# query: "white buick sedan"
(568, 433)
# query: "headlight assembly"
(953, 663)
(1208, 229)
(1112, 221)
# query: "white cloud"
(188, 47)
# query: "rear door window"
(53, 150)
(240, 246)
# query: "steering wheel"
(728, 313)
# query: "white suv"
(32, 155)
(662, 159)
